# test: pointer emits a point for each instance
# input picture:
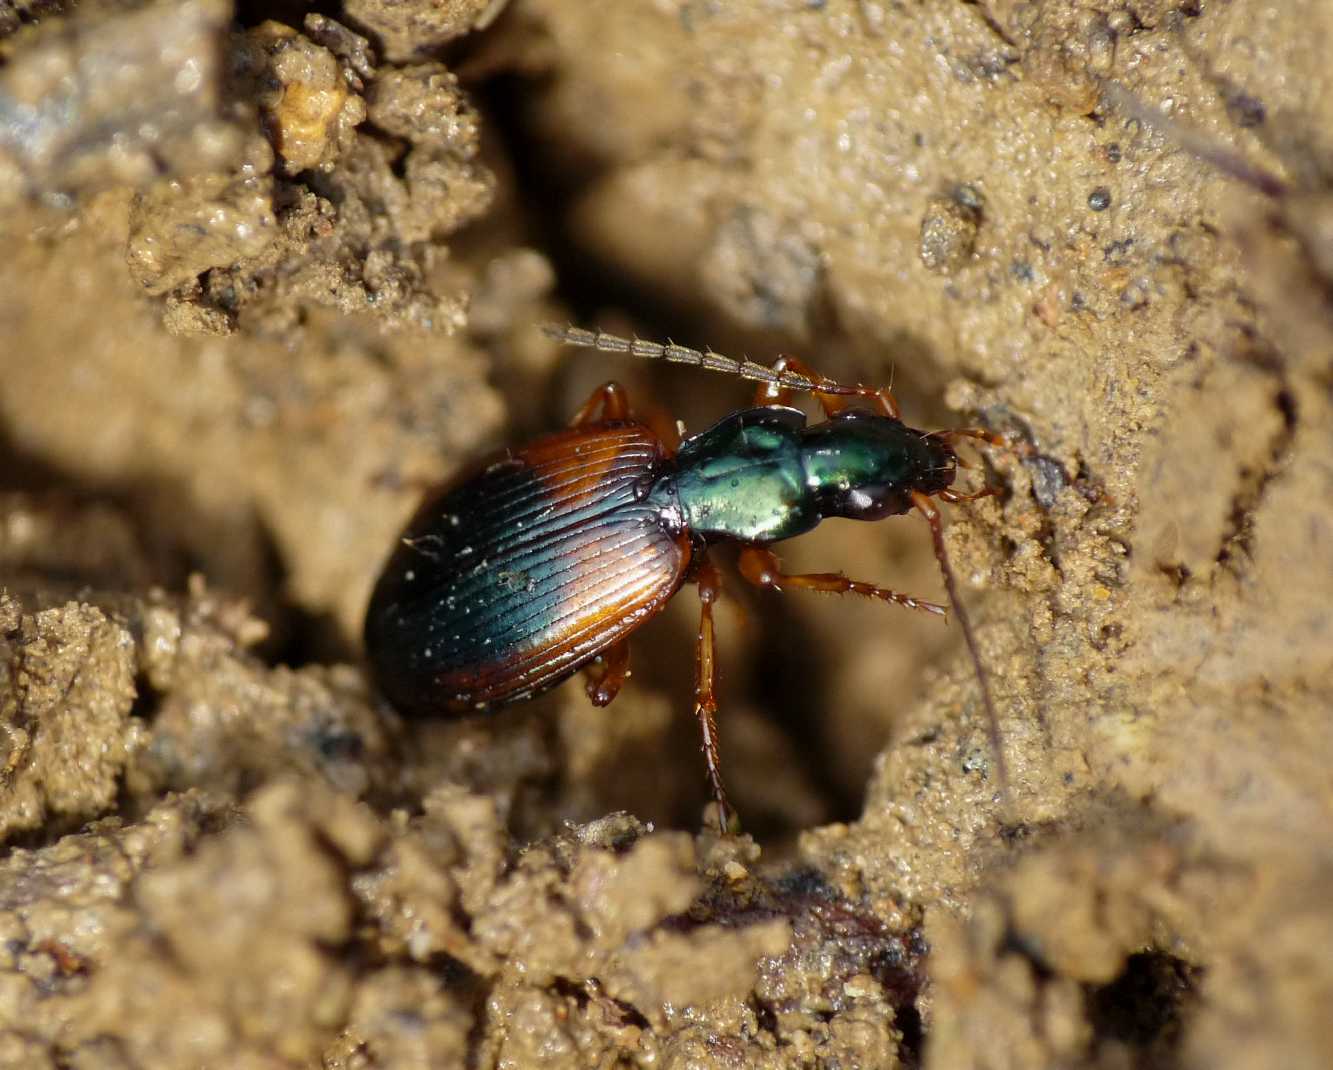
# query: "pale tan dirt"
(262, 283)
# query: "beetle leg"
(993, 438)
(830, 402)
(762, 568)
(777, 394)
(953, 497)
(608, 673)
(608, 402)
(887, 403)
(709, 582)
(1016, 447)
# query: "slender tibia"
(762, 568)
(709, 582)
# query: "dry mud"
(264, 281)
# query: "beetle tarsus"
(607, 675)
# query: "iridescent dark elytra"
(545, 560)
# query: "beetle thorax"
(743, 479)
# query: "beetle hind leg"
(607, 675)
(762, 568)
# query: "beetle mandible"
(520, 572)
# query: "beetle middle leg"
(607, 675)
(709, 582)
(762, 568)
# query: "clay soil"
(265, 280)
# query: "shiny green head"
(865, 466)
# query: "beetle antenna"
(706, 358)
(928, 509)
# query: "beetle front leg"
(608, 402)
(607, 675)
(777, 394)
(831, 401)
(709, 582)
(762, 568)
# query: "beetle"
(545, 559)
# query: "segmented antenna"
(707, 359)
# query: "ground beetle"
(545, 560)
